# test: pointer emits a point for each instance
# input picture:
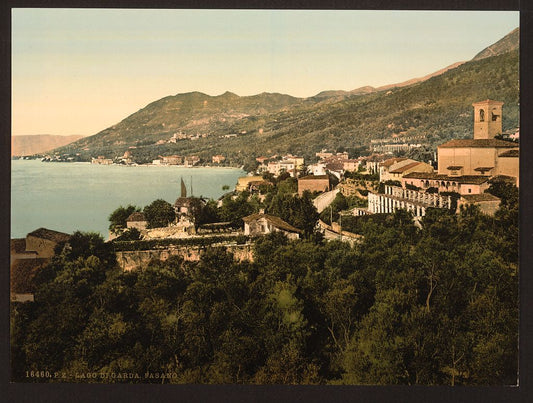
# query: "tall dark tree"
(159, 213)
(117, 219)
(297, 211)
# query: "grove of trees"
(437, 305)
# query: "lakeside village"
(329, 199)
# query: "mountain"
(340, 93)
(369, 89)
(508, 43)
(419, 79)
(39, 143)
(192, 113)
(431, 110)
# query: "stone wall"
(325, 199)
(130, 260)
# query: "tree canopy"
(159, 213)
(117, 219)
(436, 305)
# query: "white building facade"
(416, 202)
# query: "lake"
(80, 196)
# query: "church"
(465, 167)
(484, 155)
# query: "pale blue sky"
(79, 71)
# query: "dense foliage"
(159, 213)
(436, 305)
(117, 219)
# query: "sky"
(79, 71)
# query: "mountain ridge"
(271, 122)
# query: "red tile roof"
(404, 168)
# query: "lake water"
(80, 196)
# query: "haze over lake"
(80, 196)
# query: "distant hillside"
(242, 128)
(508, 43)
(191, 113)
(39, 143)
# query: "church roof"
(478, 143)
(182, 202)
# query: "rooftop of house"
(314, 177)
(50, 235)
(136, 216)
(275, 221)
(405, 168)
(335, 166)
(182, 202)
(392, 161)
(478, 143)
(18, 245)
(480, 197)
(22, 273)
(503, 178)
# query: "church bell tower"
(487, 119)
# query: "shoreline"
(132, 165)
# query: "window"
(481, 115)
(469, 190)
(494, 115)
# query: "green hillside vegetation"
(437, 109)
